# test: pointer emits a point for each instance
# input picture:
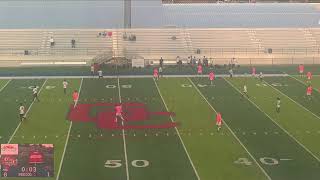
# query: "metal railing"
(209, 52)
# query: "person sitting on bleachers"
(73, 43)
(51, 41)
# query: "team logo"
(136, 115)
(9, 149)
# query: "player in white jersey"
(65, 85)
(22, 112)
(35, 93)
(100, 74)
(245, 91)
(261, 76)
(278, 105)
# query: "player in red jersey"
(218, 120)
(119, 111)
(309, 92)
(199, 69)
(309, 76)
(253, 71)
(211, 77)
(156, 73)
(301, 69)
(75, 97)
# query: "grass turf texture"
(248, 122)
(46, 123)
(214, 156)
(167, 70)
(206, 146)
(299, 122)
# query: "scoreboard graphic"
(27, 160)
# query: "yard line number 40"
(264, 160)
(134, 163)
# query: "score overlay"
(27, 160)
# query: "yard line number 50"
(134, 163)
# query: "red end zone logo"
(9, 149)
(136, 116)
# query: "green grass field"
(255, 142)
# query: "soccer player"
(22, 112)
(35, 93)
(261, 76)
(199, 69)
(211, 77)
(118, 109)
(309, 92)
(156, 74)
(278, 105)
(218, 120)
(100, 74)
(253, 71)
(245, 91)
(75, 97)
(65, 84)
(309, 76)
(301, 69)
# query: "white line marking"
(5, 85)
(134, 76)
(303, 82)
(275, 122)
(264, 172)
(15, 131)
(124, 137)
(292, 100)
(184, 147)
(286, 159)
(67, 140)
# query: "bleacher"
(151, 43)
(223, 41)
(17, 41)
(87, 42)
(287, 41)
(217, 44)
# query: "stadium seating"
(218, 44)
(151, 43)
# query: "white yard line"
(5, 85)
(15, 131)
(124, 137)
(275, 122)
(134, 76)
(67, 140)
(185, 149)
(292, 100)
(244, 147)
(297, 80)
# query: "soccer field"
(169, 132)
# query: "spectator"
(73, 43)
(51, 41)
(161, 62)
(110, 34)
(100, 74)
(205, 61)
(231, 72)
(92, 70)
(190, 59)
(160, 72)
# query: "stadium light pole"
(127, 14)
